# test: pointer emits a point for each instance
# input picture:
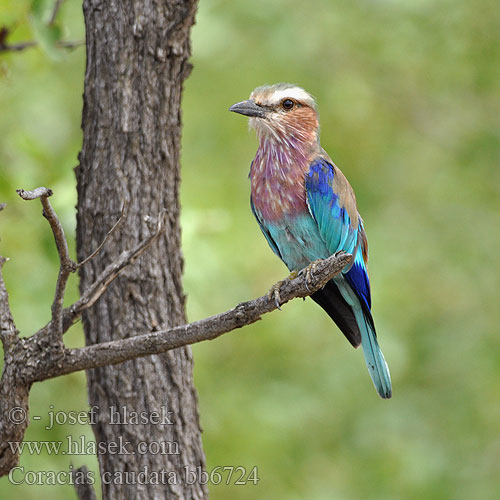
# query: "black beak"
(248, 108)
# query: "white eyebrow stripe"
(293, 93)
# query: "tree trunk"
(137, 60)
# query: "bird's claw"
(309, 272)
(274, 292)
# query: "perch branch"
(245, 313)
(36, 358)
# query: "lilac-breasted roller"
(307, 210)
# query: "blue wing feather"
(357, 277)
(333, 220)
(335, 227)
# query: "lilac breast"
(278, 188)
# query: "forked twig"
(66, 265)
(108, 234)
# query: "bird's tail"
(375, 361)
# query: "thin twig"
(105, 278)
(110, 272)
(117, 351)
(66, 267)
(109, 233)
(17, 47)
(55, 11)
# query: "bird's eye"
(287, 104)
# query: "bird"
(307, 211)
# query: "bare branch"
(110, 272)
(105, 278)
(35, 193)
(117, 351)
(67, 266)
(38, 357)
(24, 356)
(55, 11)
(17, 47)
(109, 233)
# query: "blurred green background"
(409, 97)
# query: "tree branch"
(37, 358)
(55, 11)
(245, 313)
(24, 356)
(18, 47)
(35, 193)
(66, 266)
(108, 275)
(103, 242)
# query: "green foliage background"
(409, 97)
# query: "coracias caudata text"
(307, 210)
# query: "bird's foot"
(274, 292)
(309, 271)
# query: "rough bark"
(137, 60)
(14, 389)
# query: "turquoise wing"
(333, 207)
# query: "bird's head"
(281, 112)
